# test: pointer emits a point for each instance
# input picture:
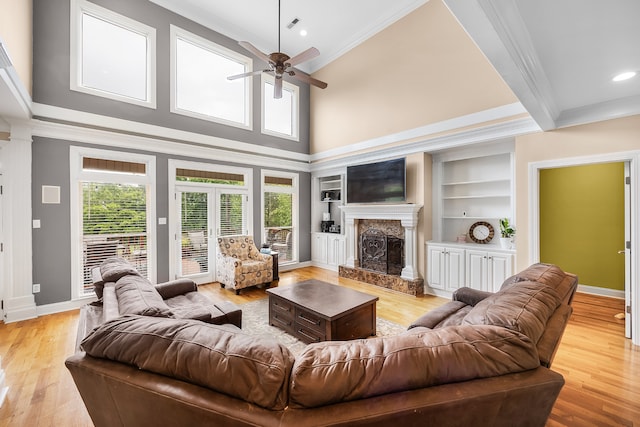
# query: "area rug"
(255, 322)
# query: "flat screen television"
(381, 182)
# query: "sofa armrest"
(470, 296)
(176, 287)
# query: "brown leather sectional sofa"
(480, 361)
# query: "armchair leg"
(222, 285)
(237, 291)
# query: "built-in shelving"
(470, 186)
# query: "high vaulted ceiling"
(558, 57)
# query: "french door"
(205, 213)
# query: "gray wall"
(51, 74)
(52, 244)
(51, 63)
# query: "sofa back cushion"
(112, 269)
(564, 284)
(136, 295)
(219, 357)
(524, 307)
(331, 372)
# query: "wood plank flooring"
(601, 368)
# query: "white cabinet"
(336, 250)
(486, 270)
(445, 267)
(328, 250)
(319, 248)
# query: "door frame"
(173, 185)
(633, 159)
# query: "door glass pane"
(278, 224)
(195, 236)
(232, 215)
(114, 223)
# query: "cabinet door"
(500, 266)
(476, 263)
(319, 248)
(436, 266)
(455, 269)
(335, 250)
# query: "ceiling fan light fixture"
(280, 63)
(624, 76)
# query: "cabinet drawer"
(310, 320)
(281, 307)
(308, 335)
(283, 322)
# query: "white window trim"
(77, 174)
(177, 32)
(174, 186)
(78, 8)
(295, 119)
(295, 215)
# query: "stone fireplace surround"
(409, 280)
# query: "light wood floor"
(601, 368)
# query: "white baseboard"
(603, 292)
(289, 267)
(59, 307)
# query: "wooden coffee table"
(314, 311)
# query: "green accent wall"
(582, 222)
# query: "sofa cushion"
(433, 318)
(219, 357)
(136, 295)
(524, 307)
(331, 372)
(549, 274)
(112, 269)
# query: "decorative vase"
(505, 242)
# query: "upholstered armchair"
(239, 263)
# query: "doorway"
(205, 213)
(602, 228)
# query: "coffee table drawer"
(283, 322)
(281, 306)
(310, 320)
(308, 335)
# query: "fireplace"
(382, 246)
(381, 252)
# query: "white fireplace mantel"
(407, 214)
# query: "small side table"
(276, 273)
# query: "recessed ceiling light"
(624, 76)
(303, 33)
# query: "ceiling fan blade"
(250, 73)
(308, 54)
(277, 88)
(303, 77)
(251, 48)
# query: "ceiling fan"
(281, 64)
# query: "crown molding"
(424, 132)
(490, 133)
(116, 125)
(68, 132)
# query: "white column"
(19, 303)
(410, 272)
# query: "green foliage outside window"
(113, 208)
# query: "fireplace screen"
(382, 253)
